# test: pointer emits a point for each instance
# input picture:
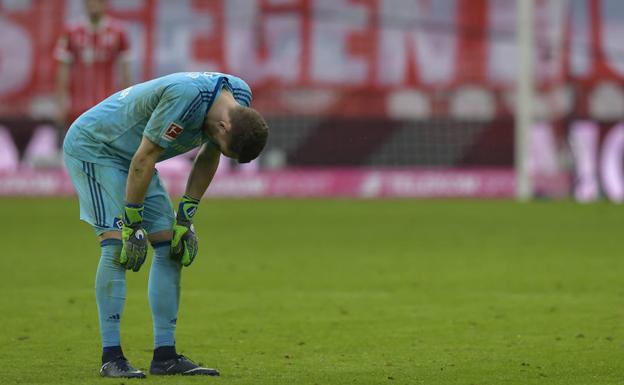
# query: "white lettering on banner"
(543, 150)
(584, 141)
(283, 40)
(372, 185)
(262, 46)
(136, 35)
(501, 50)
(9, 156)
(432, 184)
(611, 164)
(178, 25)
(385, 44)
(300, 183)
(424, 29)
(612, 31)
(239, 187)
(333, 24)
(241, 34)
(42, 148)
(33, 183)
(16, 56)
(549, 40)
(580, 50)
(584, 137)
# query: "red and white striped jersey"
(93, 53)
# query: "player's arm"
(133, 237)
(141, 170)
(204, 169)
(176, 111)
(184, 242)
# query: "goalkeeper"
(110, 152)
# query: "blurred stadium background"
(365, 98)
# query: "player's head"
(244, 135)
(95, 8)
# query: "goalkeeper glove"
(184, 242)
(133, 238)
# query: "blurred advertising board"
(350, 183)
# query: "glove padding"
(134, 239)
(184, 243)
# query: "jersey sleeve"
(241, 91)
(179, 106)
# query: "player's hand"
(133, 238)
(184, 242)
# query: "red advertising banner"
(346, 57)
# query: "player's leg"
(110, 295)
(99, 202)
(164, 295)
(164, 286)
(164, 277)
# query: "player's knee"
(112, 245)
(109, 258)
(160, 237)
(109, 235)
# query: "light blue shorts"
(101, 191)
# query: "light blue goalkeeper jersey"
(169, 111)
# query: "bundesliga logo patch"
(173, 131)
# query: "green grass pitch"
(336, 292)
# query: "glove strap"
(133, 214)
(187, 208)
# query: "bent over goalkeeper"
(110, 152)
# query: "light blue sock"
(110, 292)
(164, 294)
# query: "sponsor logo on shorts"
(172, 132)
(118, 223)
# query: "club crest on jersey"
(172, 132)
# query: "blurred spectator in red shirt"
(93, 62)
